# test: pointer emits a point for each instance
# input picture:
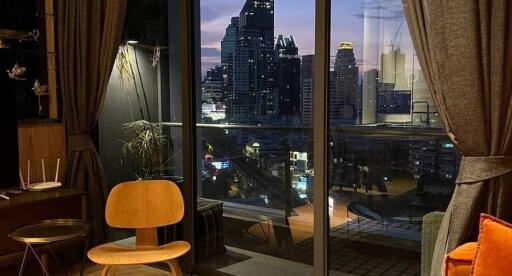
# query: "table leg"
(45, 271)
(84, 257)
(44, 263)
(24, 261)
(55, 257)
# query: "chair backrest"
(144, 204)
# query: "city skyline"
(260, 78)
(368, 24)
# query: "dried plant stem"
(144, 149)
(137, 92)
(142, 84)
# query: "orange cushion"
(458, 262)
(494, 250)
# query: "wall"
(38, 141)
(121, 106)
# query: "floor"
(356, 248)
(301, 223)
(254, 264)
(95, 270)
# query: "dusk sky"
(296, 17)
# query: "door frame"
(189, 49)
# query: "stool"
(48, 232)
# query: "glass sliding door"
(390, 162)
(374, 143)
(255, 137)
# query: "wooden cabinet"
(41, 140)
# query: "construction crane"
(392, 42)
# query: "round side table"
(47, 232)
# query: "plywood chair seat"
(143, 206)
(118, 254)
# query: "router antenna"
(57, 170)
(22, 181)
(44, 174)
(28, 172)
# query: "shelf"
(29, 51)
(31, 121)
(17, 22)
(13, 34)
(25, 13)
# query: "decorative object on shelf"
(30, 36)
(28, 32)
(19, 35)
(40, 90)
(17, 72)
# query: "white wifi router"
(42, 186)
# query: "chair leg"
(175, 267)
(105, 270)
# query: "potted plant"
(144, 149)
(144, 144)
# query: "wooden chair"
(143, 206)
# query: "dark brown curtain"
(89, 32)
(465, 50)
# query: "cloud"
(210, 52)
(381, 9)
(396, 15)
(211, 39)
(213, 9)
(208, 63)
(209, 58)
(215, 17)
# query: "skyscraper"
(394, 93)
(228, 45)
(344, 99)
(335, 101)
(306, 82)
(212, 85)
(369, 96)
(393, 68)
(252, 96)
(288, 76)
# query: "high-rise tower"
(344, 99)
(369, 96)
(228, 45)
(252, 96)
(306, 82)
(288, 76)
(393, 68)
